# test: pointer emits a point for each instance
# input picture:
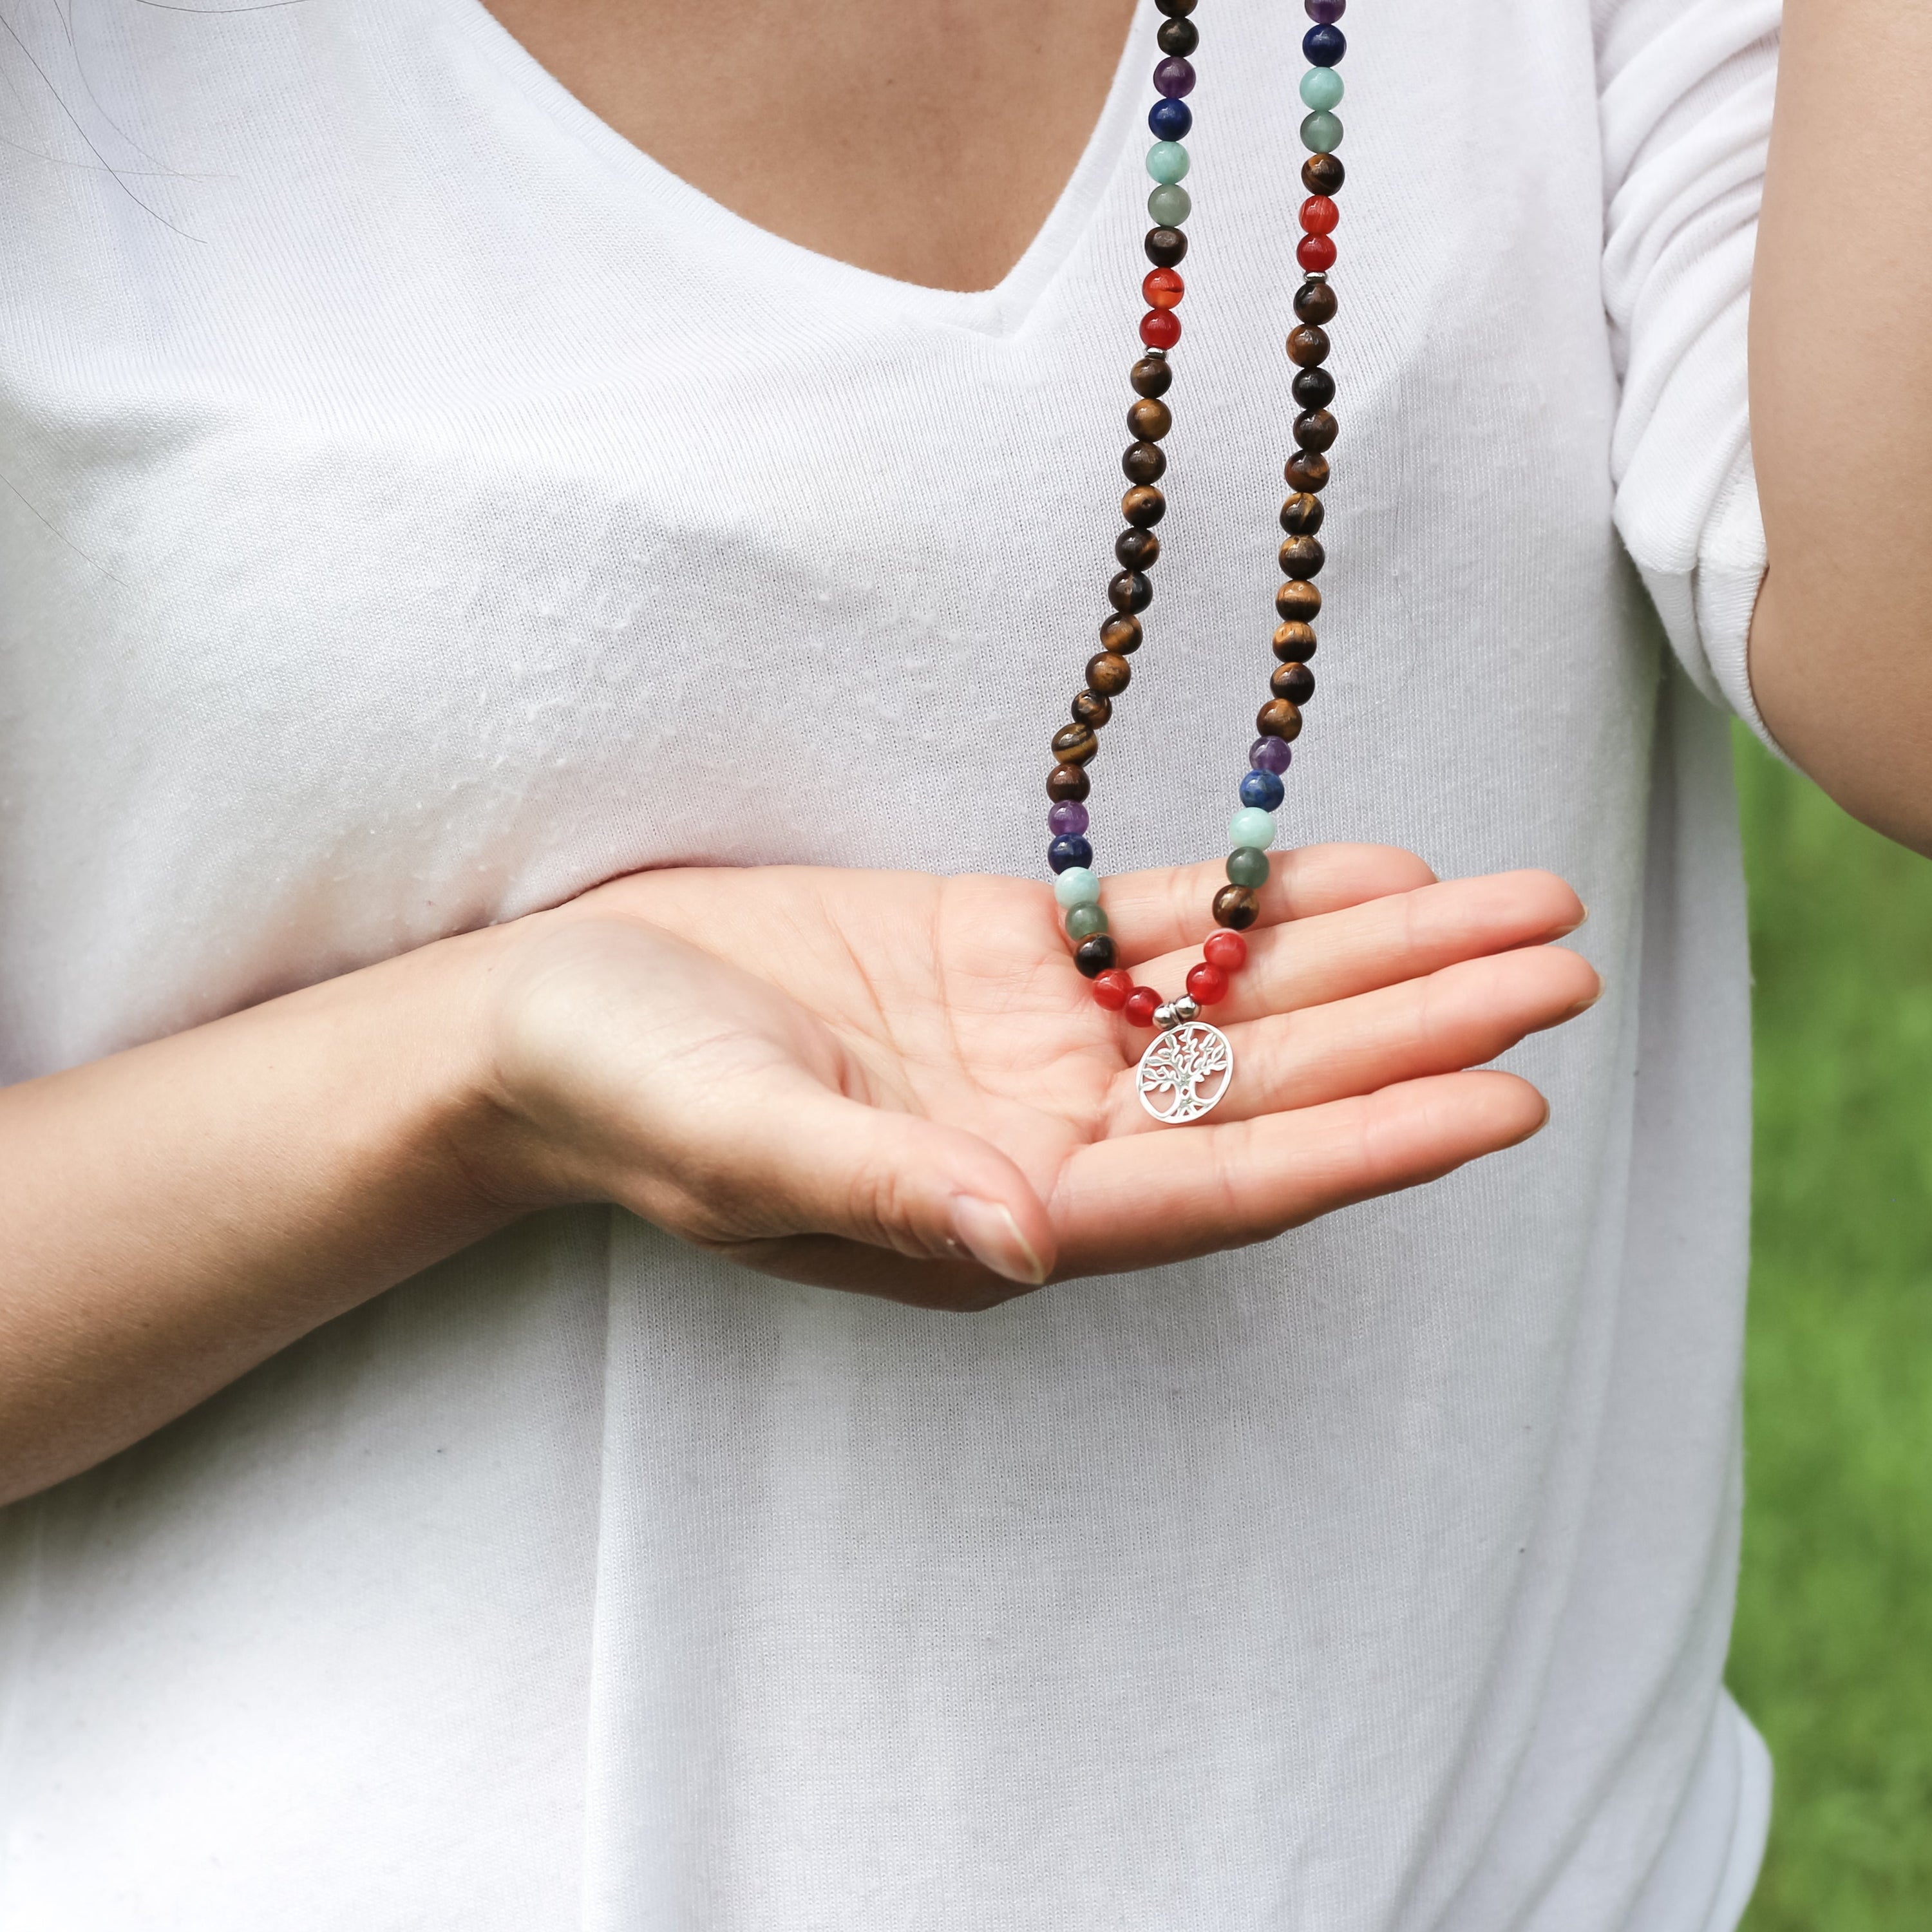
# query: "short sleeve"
(1686, 100)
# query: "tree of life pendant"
(1185, 1070)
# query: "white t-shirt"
(421, 507)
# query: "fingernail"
(1584, 1006)
(992, 1236)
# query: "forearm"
(173, 1215)
(1841, 409)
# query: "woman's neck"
(924, 140)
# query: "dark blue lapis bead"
(1072, 850)
(1324, 46)
(1264, 789)
(1170, 120)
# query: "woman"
(533, 602)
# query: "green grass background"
(1833, 1654)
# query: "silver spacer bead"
(1315, 275)
(1165, 1018)
(1187, 1007)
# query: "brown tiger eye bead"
(1120, 633)
(1166, 247)
(1315, 302)
(1307, 346)
(1149, 377)
(1091, 708)
(1314, 388)
(1315, 429)
(1294, 641)
(1144, 462)
(1294, 681)
(1322, 174)
(1138, 549)
(1150, 419)
(1306, 470)
(1144, 505)
(1109, 673)
(1130, 591)
(1237, 906)
(1278, 719)
(1301, 515)
(1302, 557)
(1068, 785)
(1178, 37)
(1075, 744)
(1298, 603)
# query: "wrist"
(487, 1129)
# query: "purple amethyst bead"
(1070, 820)
(1174, 78)
(1270, 754)
(1325, 13)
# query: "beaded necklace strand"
(1189, 1065)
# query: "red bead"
(1319, 215)
(1227, 950)
(1163, 289)
(1141, 1003)
(1160, 328)
(1112, 988)
(1207, 983)
(1316, 253)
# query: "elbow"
(1843, 679)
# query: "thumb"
(900, 1182)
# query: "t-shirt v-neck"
(1001, 310)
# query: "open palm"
(898, 1084)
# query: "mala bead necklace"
(1188, 1066)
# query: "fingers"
(1143, 1199)
(823, 1261)
(833, 1171)
(1149, 913)
(1384, 941)
(1460, 1017)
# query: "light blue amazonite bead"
(1170, 206)
(1321, 133)
(1080, 885)
(1250, 826)
(1321, 88)
(1167, 160)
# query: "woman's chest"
(368, 591)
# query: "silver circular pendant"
(1184, 1072)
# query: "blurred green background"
(1833, 1654)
